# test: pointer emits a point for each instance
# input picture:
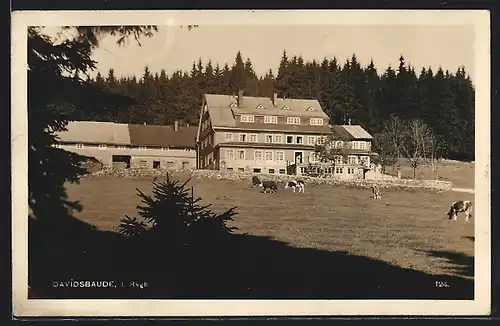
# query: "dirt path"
(468, 190)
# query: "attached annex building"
(129, 145)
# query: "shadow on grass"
(459, 264)
(239, 267)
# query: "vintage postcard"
(251, 163)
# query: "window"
(269, 138)
(269, 155)
(352, 159)
(339, 170)
(122, 147)
(247, 118)
(241, 169)
(339, 144)
(311, 109)
(338, 159)
(282, 171)
(79, 146)
(253, 138)
(256, 170)
(270, 119)
(243, 137)
(311, 140)
(289, 139)
(286, 108)
(229, 136)
(102, 146)
(313, 157)
(164, 149)
(229, 169)
(188, 149)
(350, 170)
(56, 145)
(257, 155)
(316, 121)
(271, 171)
(280, 156)
(293, 121)
(300, 140)
(229, 154)
(241, 154)
(260, 106)
(233, 105)
(321, 140)
(278, 139)
(355, 145)
(362, 145)
(156, 164)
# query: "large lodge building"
(264, 135)
(235, 133)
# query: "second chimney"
(176, 125)
(240, 98)
(275, 99)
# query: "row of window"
(354, 144)
(258, 155)
(104, 146)
(274, 120)
(275, 139)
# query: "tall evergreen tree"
(238, 76)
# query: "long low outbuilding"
(132, 145)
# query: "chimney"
(240, 98)
(187, 124)
(275, 99)
(176, 125)
(144, 123)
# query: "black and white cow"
(255, 181)
(299, 184)
(376, 192)
(269, 185)
(461, 206)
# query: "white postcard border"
(22, 307)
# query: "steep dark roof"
(163, 136)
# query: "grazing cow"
(299, 184)
(464, 206)
(269, 185)
(255, 181)
(376, 192)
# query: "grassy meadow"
(330, 242)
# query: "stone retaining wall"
(246, 176)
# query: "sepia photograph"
(196, 163)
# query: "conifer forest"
(349, 91)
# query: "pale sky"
(172, 48)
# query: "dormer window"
(285, 108)
(260, 106)
(316, 121)
(270, 119)
(233, 105)
(311, 109)
(247, 118)
(293, 120)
